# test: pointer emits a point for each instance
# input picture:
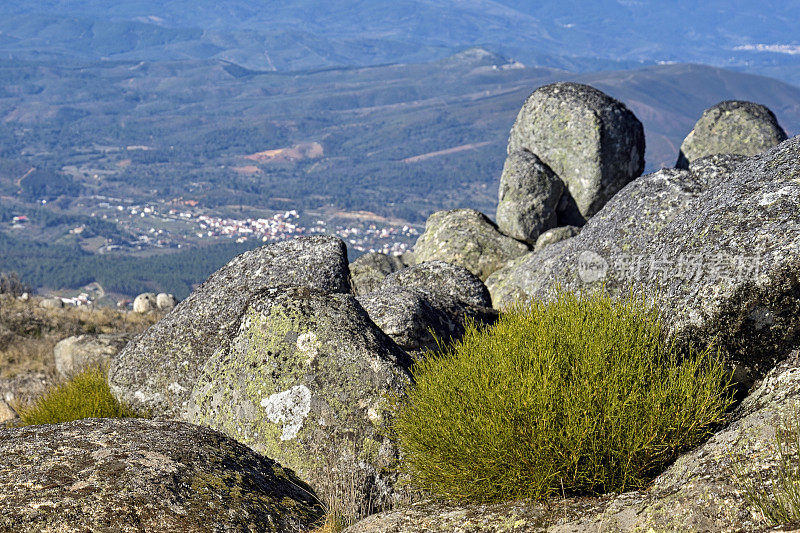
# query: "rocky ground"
(295, 354)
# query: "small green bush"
(776, 499)
(86, 395)
(579, 396)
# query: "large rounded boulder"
(529, 195)
(731, 127)
(426, 305)
(719, 259)
(368, 271)
(141, 475)
(158, 369)
(80, 352)
(591, 141)
(305, 379)
(467, 238)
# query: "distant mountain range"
(759, 37)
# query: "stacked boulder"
(570, 150)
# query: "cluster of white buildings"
(278, 227)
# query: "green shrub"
(86, 395)
(579, 395)
(776, 499)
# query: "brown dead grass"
(28, 332)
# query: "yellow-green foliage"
(579, 395)
(86, 395)
(777, 499)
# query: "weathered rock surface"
(166, 302)
(712, 170)
(720, 262)
(528, 197)
(159, 368)
(592, 142)
(141, 475)
(368, 271)
(51, 303)
(77, 353)
(145, 302)
(731, 127)
(466, 238)
(443, 281)
(699, 492)
(555, 235)
(305, 380)
(433, 300)
(7, 413)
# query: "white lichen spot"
(373, 415)
(175, 388)
(289, 408)
(308, 344)
(139, 395)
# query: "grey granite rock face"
(720, 262)
(427, 304)
(528, 197)
(367, 271)
(712, 170)
(555, 235)
(77, 353)
(731, 127)
(140, 475)
(592, 142)
(466, 238)
(305, 380)
(442, 281)
(158, 369)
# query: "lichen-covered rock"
(433, 300)
(592, 142)
(409, 318)
(711, 170)
(367, 271)
(442, 281)
(466, 238)
(142, 475)
(77, 353)
(731, 127)
(305, 380)
(719, 262)
(555, 235)
(145, 302)
(528, 197)
(158, 369)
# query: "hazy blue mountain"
(266, 34)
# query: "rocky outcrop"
(51, 303)
(466, 238)
(141, 475)
(305, 380)
(731, 127)
(719, 261)
(145, 302)
(77, 353)
(712, 170)
(368, 271)
(428, 304)
(555, 235)
(699, 492)
(158, 369)
(592, 142)
(528, 197)
(7, 413)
